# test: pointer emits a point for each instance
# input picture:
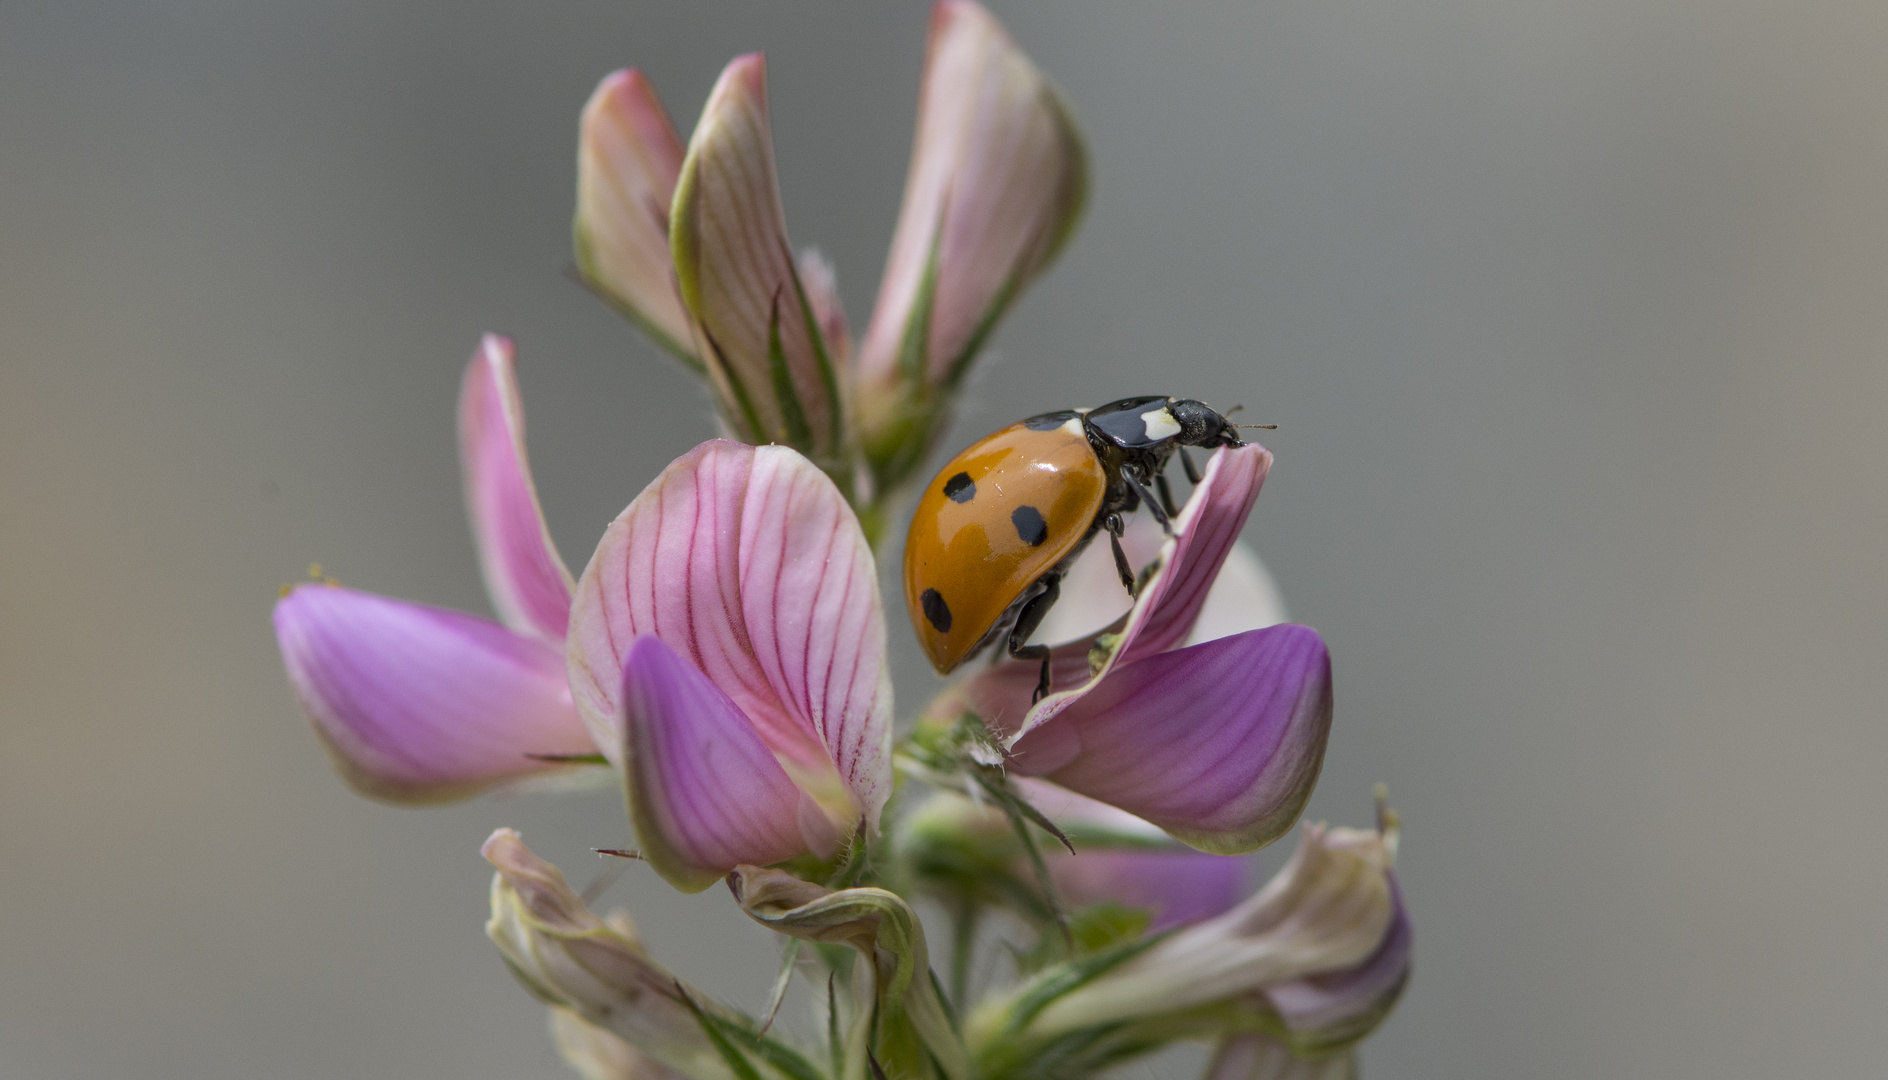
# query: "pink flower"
(693, 246)
(727, 652)
(422, 704)
(1218, 742)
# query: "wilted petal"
(704, 792)
(421, 704)
(997, 182)
(524, 575)
(567, 957)
(1219, 744)
(1253, 1056)
(628, 159)
(1338, 1008)
(1175, 885)
(1162, 616)
(748, 563)
(759, 333)
(596, 1054)
(884, 930)
(1328, 910)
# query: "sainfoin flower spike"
(723, 656)
(422, 704)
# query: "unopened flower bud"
(567, 957)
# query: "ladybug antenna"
(1267, 427)
(1234, 409)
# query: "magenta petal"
(1164, 612)
(527, 580)
(1219, 744)
(1175, 887)
(748, 563)
(706, 794)
(421, 704)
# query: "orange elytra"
(998, 525)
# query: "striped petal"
(1163, 614)
(523, 574)
(1335, 1009)
(705, 793)
(628, 159)
(420, 704)
(1219, 744)
(748, 563)
(1327, 911)
(997, 182)
(776, 380)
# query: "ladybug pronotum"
(997, 526)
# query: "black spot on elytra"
(1029, 525)
(936, 611)
(960, 488)
(1049, 421)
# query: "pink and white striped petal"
(628, 159)
(1219, 744)
(524, 575)
(757, 329)
(420, 704)
(1162, 615)
(750, 565)
(997, 181)
(705, 793)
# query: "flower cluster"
(723, 657)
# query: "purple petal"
(524, 575)
(1345, 1005)
(628, 158)
(996, 184)
(1174, 886)
(704, 791)
(1163, 614)
(1219, 744)
(420, 704)
(748, 563)
(728, 236)
(1243, 597)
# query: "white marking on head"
(1160, 424)
(1074, 426)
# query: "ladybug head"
(1200, 425)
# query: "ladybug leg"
(1115, 529)
(1027, 621)
(1166, 494)
(1153, 505)
(1192, 470)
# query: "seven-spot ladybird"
(998, 525)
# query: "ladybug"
(998, 526)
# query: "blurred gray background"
(1574, 316)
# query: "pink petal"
(1219, 744)
(421, 704)
(1174, 886)
(1163, 614)
(1243, 597)
(524, 575)
(996, 184)
(750, 565)
(775, 378)
(704, 791)
(628, 158)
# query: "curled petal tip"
(628, 160)
(420, 704)
(525, 576)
